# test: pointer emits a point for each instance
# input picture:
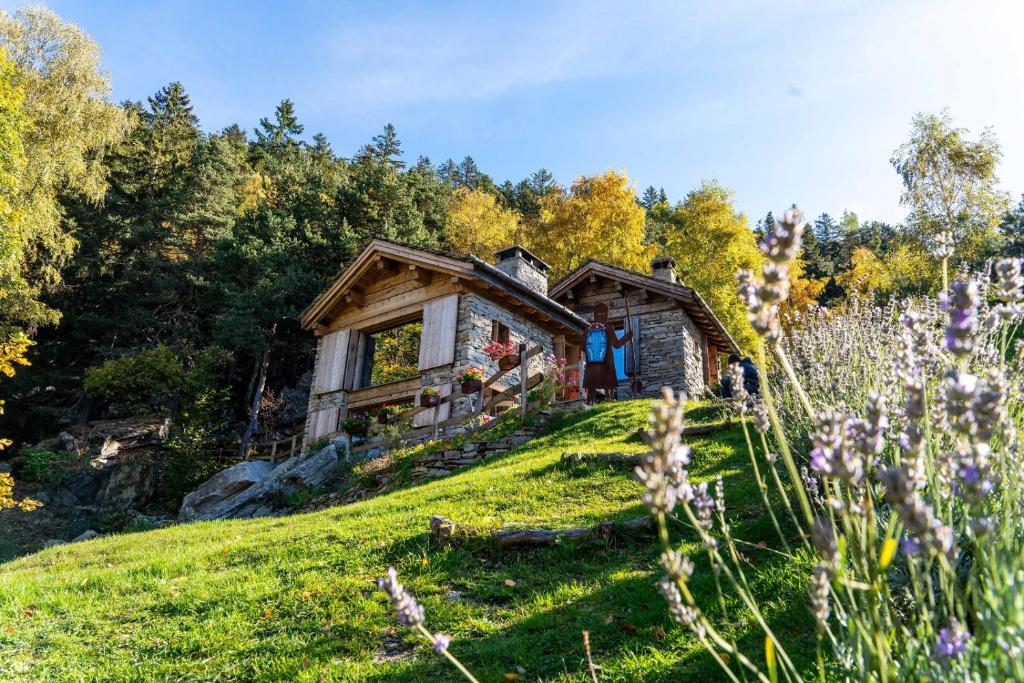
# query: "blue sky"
(783, 101)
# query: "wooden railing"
(282, 449)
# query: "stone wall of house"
(474, 333)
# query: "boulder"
(87, 535)
(53, 542)
(84, 485)
(217, 496)
(129, 485)
(257, 488)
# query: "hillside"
(293, 598)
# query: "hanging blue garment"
(596, 346)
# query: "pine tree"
(283, 130)
(385, 148)
(650, 198)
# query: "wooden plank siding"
(383, 393)
(437, 344)
(393, 310)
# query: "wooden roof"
(466, 268)
(698, 310)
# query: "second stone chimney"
(518, 262)
(664, 268)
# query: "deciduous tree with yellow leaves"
(710, 241)
(478, 225)
(599, 218)
(12, 354)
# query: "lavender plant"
(897, 468)
(410, 614)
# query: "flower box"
(471, 386)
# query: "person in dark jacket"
(726, 380)
(751, 380)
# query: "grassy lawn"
(293, 598)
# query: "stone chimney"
(523, 266)
(664, 268)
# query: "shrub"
(144, 381)
(43, 467)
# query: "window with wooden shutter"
(499, 332)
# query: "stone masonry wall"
(474, 333)
(523, 271)
(443, 463)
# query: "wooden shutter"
(631, 351)
(437, 342)
(332, 361)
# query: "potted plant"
(471, 379)
(386, 413)
(506, 355)
(357, 425)
(430, 397)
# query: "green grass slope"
(293, 598)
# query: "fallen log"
(444, 530)
(539, 538)
(570, 458)
(692, 430)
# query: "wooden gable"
(597, 282)
(387, 284)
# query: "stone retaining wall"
(442, 463)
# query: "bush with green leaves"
(145, 381)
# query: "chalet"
(677, 337)
(458, 304)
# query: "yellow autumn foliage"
(478, 225)
(12, 354)
(710, 241)
(598, 219)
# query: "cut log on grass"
(540, 538)
(444, 530)
(569, 458)
(692, 430)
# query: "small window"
(499, 332)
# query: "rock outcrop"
(255, 488)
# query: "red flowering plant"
(496, 350)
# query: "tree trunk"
(257, 397)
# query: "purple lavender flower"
(663, 470)
(703, 505)
(410, 613)
(951, 640)
(961, 302)
(441, 642)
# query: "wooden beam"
(417, 273)
(320, 330)
(354, 297)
